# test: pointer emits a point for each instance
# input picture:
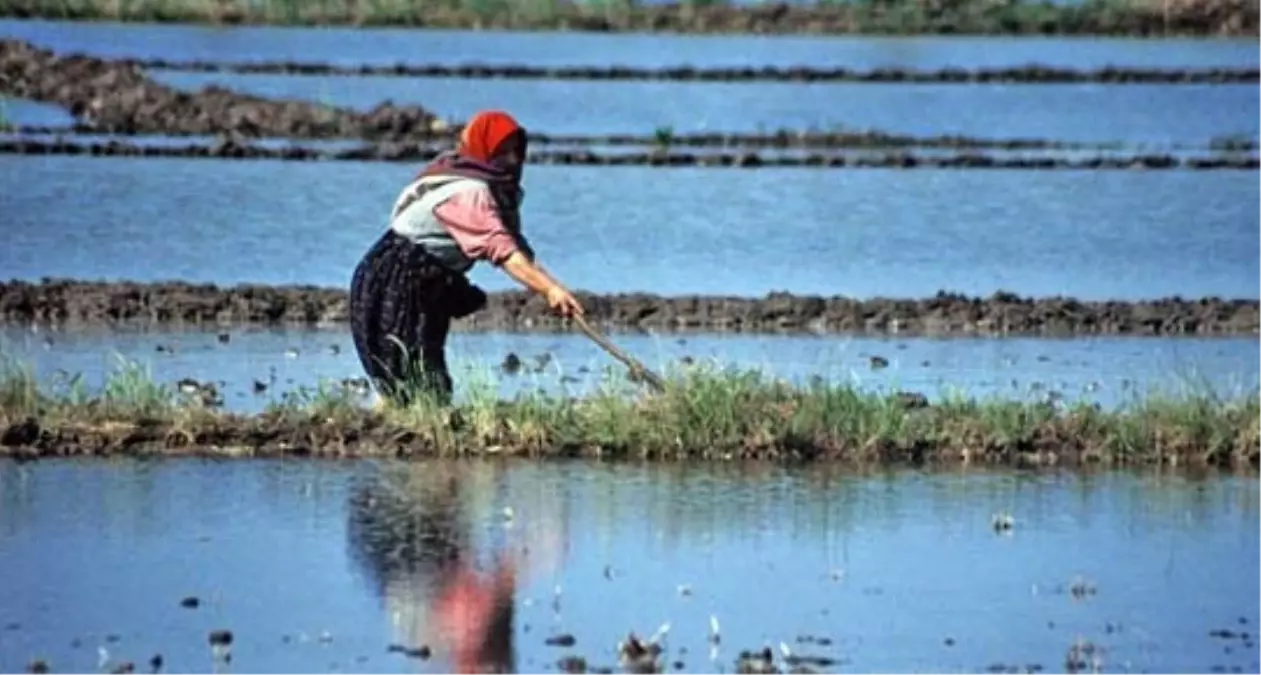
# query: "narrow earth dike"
(81, 302)
(1029, 74)
(1145, 18)
(700, 415)
(229, 148)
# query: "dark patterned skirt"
(402, 300)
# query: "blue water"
(1095, 235)
(1111, 371)
(1147, 114)
(309, 563)
(311, 567)
(19, 112)
(1154, 115)
(349, 46)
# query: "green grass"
(1114, 17)
(705, 412)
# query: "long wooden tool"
(637, 369)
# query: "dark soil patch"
(112, 96)
(75, 302)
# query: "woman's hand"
(563, 302)
(533, 277)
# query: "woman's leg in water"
(399, 331)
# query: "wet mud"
(71, 302)
(401, 152)
(112, 97)
(782, 139)
(1032, 74)
(1182, 17)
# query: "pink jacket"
(473, 221)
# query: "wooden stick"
(636, 367)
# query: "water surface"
(1109, 370)
(316, 567)
(350, 46)
(863, 233)
(1148, 114)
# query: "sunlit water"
(863, 233)
(310, 564)
(1140, 114)
(387, 46)
(1150, 115)
(317, 567)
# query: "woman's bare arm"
(527, 273)
(521, 268)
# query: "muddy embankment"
(782, 139)
(400, 152)
(110, 97)
(1099, 17)
(73, 302)
(1064, 443)
(1030, 74)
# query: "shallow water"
(1114, 234)
(1107, 370)
(888, 566)
(386, 46)
(1154, 115)
(20, 112)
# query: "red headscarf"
(484, 133)
(482, 136)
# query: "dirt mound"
(116, 97)
(87, 302)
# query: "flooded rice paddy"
(1134, 114)
(331, 566)
(321, 567)
(864, 233)
(1110, 370)
(387, 46)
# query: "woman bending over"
(460, 209)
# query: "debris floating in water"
(562, 640)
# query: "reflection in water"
(886, 564)
(412, 528)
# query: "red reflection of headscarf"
(474, 615)
(484, 133)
